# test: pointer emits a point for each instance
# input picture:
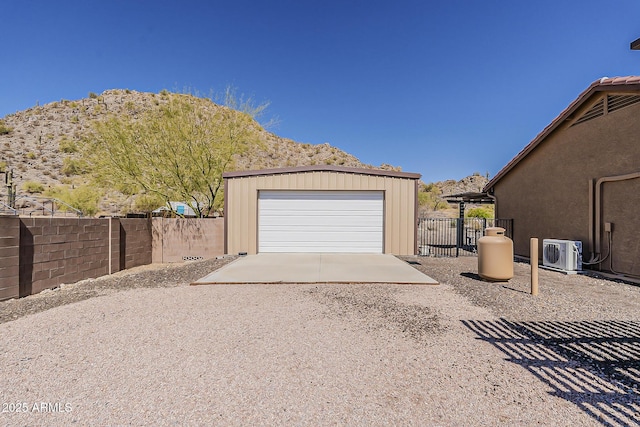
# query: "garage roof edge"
(322, 168)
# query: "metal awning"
(470, 197)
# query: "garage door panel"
(291, 247)
(323, 221)
(321, 209)
(293, 236)
(320, 221)
(314, 195)
(368, 233)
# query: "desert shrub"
(481, 212)
(31, 155)
(83, 198)
(3, 166)
(67, 146)
(4, 129)
(93, 95)
(72, 166)
(33, 187)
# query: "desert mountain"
(36, 141)
(41, 144)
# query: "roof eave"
(602, 85)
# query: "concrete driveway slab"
(317, 268)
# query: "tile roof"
(630, 83)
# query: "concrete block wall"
(135, 242)
(9, 257)
(42, 253)
(63, 250)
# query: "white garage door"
(320, 221)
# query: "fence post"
(533, 260)
(459, 228)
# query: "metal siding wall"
(406, 219)
(232, 218)
(252, 210)
(399, 215)
(244, 213)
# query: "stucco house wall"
(549, 189)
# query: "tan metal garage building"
(321, 209)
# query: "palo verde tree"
(429, 198)
(176, 152)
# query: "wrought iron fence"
(452, 237)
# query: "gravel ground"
(143, 348)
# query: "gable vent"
(595, 111)
(616, 102)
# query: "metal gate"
(452, 237)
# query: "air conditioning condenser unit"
(564, 255)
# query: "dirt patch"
(377, 308)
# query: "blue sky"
(443, 88)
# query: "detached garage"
(321, 209)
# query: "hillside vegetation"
(44, 145)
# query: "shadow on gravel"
(474, 276)
(515, 290)
(593, 364)
(477, 277)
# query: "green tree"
(148, 203)
(176, 152)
